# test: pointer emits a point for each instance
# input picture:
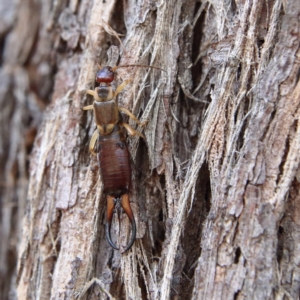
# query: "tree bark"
(26, 82)
(215, 189)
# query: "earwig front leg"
(91, 92)
(121, 87)
(132, 116)
(92, 145)
(131, 131)
(94, 94)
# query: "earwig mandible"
(109, 145)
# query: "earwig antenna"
(93, 48)
(112, 32)
(143, 66)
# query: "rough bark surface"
(215, 189)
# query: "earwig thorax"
(103, 91)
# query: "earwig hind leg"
(125, 203)
(110, 212)
(121, 87)
(132, 116)
(131, 131)
(92, 145)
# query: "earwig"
(109, 145)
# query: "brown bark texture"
(215, 182)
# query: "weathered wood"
(25, 75)
(215, 184)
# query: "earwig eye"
(106, 74)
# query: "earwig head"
(106, 74)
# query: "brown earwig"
(109, 145)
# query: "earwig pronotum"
(109, 145)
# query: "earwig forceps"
(117, 204)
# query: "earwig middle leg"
(131, 131)
(132, 116)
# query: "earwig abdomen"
(114, 163)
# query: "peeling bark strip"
(215, 185)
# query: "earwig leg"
(110, 212)
(131, 131)
(92, 145)
(94, 94)
(88, 107)
(91, 92)
(132, 116)
(121, 87)
(127, 208)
